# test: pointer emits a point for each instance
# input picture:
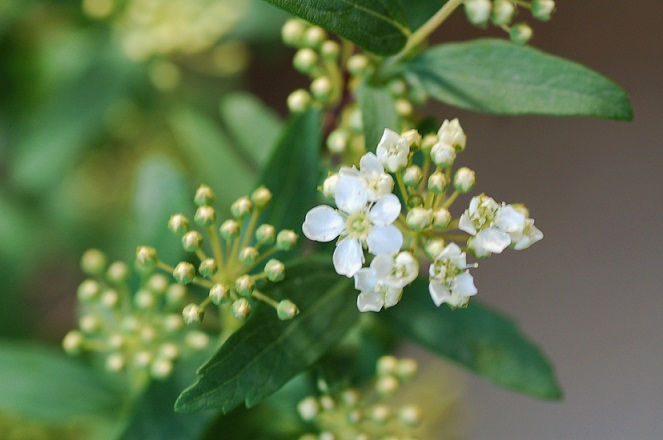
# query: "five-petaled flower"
(450, 281)
(381, 284)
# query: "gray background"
(591, 292)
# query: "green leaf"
(377, 113)
(253, 125)
(292, 172)
(215, 161)
(495, 76)
(378, 26)
(418, 12)
(43, 384)
(266, 353)
(477, 338)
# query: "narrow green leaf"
(292, 172)
(253, 125)
(210, 153)
(477, 338)
(377, 113)
(43, 384)
(495, 76)
(266, 353)
(378, 26)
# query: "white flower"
(381, 284)
(393, 151)
(450, 281)
(371, 172)
(452, 133)
(490, 224)
(443, 154)
(358, 222)
(526, 236)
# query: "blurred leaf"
(54, 139)
(378, 26)
(495, 76)
(215, 160)
(154, 417)
(261, 23)
(292, 172)
(40, 383)
(377, 113)
(418, 12)
(266, 353)
(252, 124)
(477, 338)
(161, 191)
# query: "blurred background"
(104, 134)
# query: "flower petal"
(370, 302)
(348, 257)
(385, 211)
(384, 240)
(382, 265)
(323, 223)
(509, 220)
(438, 293)
(392, 296)
(366, 279)
(493, 240)
(369, 164)
(351, 195)
(465, 224)
(465, 284)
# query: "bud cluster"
(141, 334)
(502, 13)
(400, 235)
(228, 254)
(368, 413)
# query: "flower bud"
(380, 414)
(241, 208)
(208, 267)
(329, 185)
(330, 50)
(413, 139)
(350, 397)
(403, 107)
(146, 257)
(387, 385)
(292, 32)
(244, 285)
(478, 11)
(229, 230)
(157, 284)
(196, 340)
(441, 218)
(72, 342)
(299, 101)
(274, 270)
(355, 120)
(358, 64)
(192, 314)
(452, 133)
(265, 234)
(148, 334)
(412, 176)
(109, 298)
(172, 323)
(88, 290)
(419, 219)
(175, 294)
(464, 180)
(204, 196)
(327, 403)
(168, 350)
(184, 273)
(397, 88)
(219, 294)
(205, 216)
(410, 415)
(89, 323)
(428, 141)
(248, 255)
(407, 369)
(93, 262)
(142, 359)
(337, 141)
(521, 33)
(387, 365)
(115, 362)
(437, 183)
(161, 368)
(308, 408)
(443, 154)
(192, 241)
(116, 341)
(322, 89)
(314, 37)
(543, 9)
(144, 299)
(178, 223)
(285, 240)
(117, 273)
(241, 308)
(503, 12)
(434, 248)
(261, 197)
(305, 60)
(286, 310)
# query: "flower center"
(358, 225)
(445, 271)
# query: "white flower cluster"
(367, 217)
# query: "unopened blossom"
(371, 172)
(381, 284)
(450, 281)
(358, 222)
(393, 151)
(452, 133)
